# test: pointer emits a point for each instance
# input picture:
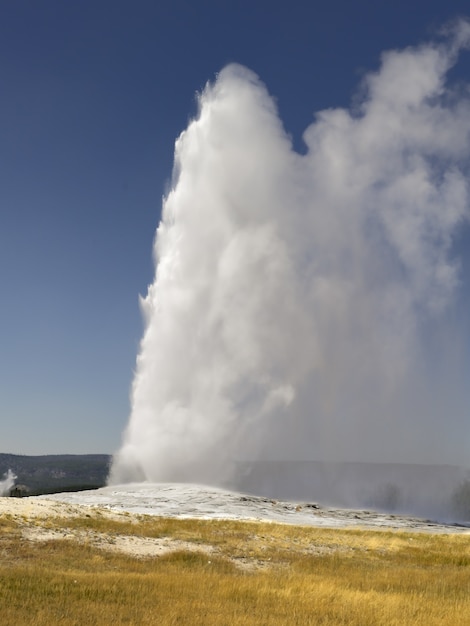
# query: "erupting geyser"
(7, 483)
(301, 302)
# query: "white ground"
(34, 516)
(196, 501)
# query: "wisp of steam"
(7, 483)
(305, 306)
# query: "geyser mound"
(301, 303)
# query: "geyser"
(7, 483)
(302, 303)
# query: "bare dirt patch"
(134, 546)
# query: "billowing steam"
(302, 302)
(7, 483)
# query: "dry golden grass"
(245, 573)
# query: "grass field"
(72, 571)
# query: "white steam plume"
(299, 300)
(7, 483)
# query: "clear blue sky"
(92, 97)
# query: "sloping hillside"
(57, 472)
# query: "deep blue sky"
(92, 97)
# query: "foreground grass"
(253, 574)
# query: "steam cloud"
(7, 483)
(302, 302)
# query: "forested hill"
(57, 472)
